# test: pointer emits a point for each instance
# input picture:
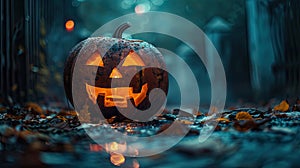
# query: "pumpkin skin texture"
(113, 68)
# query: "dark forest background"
(258, 41)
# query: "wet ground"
(32, 136)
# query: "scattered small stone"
(282, 130)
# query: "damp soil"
(38, 136)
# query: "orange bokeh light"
(69, 25)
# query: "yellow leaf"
(283, 106)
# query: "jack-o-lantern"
(126, 72)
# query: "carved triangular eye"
(95, 60)
(133, 59)
(115, 73)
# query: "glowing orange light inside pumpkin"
(95, 60)
(116, 96)
(117, 159)
(133, 59)
(115, 74)
(70, 25)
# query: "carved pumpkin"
(126, 71)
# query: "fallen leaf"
(222, 120)
(245, 125)
(283, 106)
(243, 116)
(33, 107)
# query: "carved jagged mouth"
(116, 96)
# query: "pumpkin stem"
(119, 31)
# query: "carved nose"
(115, 74)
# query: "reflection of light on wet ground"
(95, 148)
(117, 159)
(115, 147)
(135, 164)
(115, 150)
